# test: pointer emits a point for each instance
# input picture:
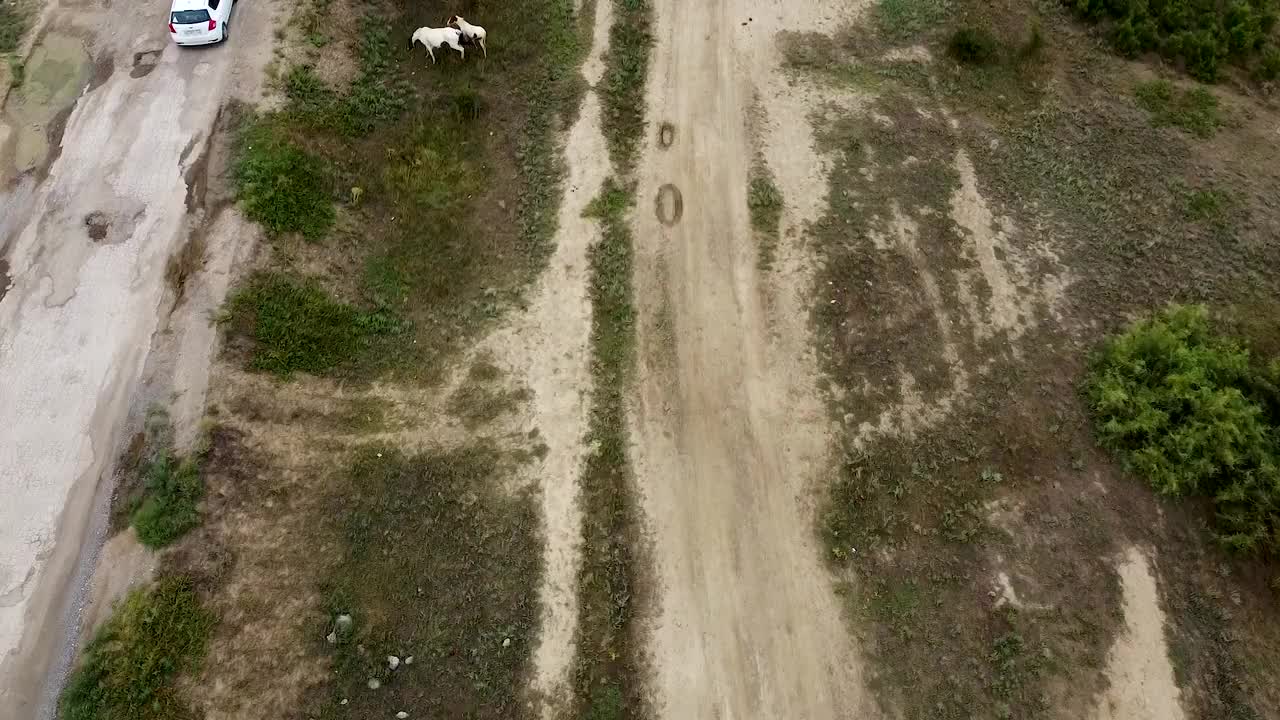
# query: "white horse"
(471, 32)
(432, 38)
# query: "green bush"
(281, 186)
(172, 489)
(128, 669)
(1269, 66)
(1189, 411)
(973, 46)
(298, 327)
(1194, 110)
(1201, 34)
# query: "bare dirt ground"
(730, 436)
(92, 214)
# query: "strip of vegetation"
(481, 398)
(764, 201)
(1194, 414)
(129, 669)
(13, 23)
(1195, 110)
(296, 326)
(608, 657)
(438, 558)
(903, 19)
(626, 70)
(1202, 35)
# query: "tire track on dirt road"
(728, 442)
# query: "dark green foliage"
(973, 46)
(1269, 65)
(13, 23)
(172, 490)
(129, 667)
(626, 67)
(1191, 413)
(1194, 110)
(297, 327)
(1201, 34)
(282, 187)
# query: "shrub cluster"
(1201, 34)
(1196, 415)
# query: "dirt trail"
(728, 434)
(1142, 684)
(77, 324)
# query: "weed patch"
(480, 399)
(1195, 110)
(1190, 412)
(13, 23)
(973, 46)
(284, 188)
(608, 658)
(129, 668)
(436, 567)
(297, 327)
(626, 67)
(158, 490)
(764, 201)
(905, 19)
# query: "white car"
(199, 22)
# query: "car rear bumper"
(206, 38)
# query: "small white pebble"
(393, 662)
(344, 701)
(402, 715)
(506, 642)
(379, 454)
(374, 683)
(408, 660)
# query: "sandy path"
(728, 436)
(77, 323)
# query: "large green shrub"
(1201, 34)
(1189, 411)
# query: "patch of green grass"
(764, 201)
(282, 187)
(1209, 204)
(973, 46)
(1195, 110)
(902, 20)
(437, 563)
(1201, 35)
(626, 69)
(608, 686)
(129, 669)
(297, 327)
(172, 492)
(1191, 413)
(13, 24)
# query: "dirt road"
(729, 434)
(86, 247)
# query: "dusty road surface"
(729, 435)
(86, 234)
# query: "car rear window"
(190, 17)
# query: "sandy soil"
(1142, 683)
(729, 435)
(78, 321)
(548, 346)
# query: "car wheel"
(226, 31)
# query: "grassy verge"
(457, 616)
(128, 669)
(159, 491)
(626, 70)
(606, 678)
(482, 398)
(764, 202)
(14, 18)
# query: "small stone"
(402, 715)
(506, 642)
(374, 683)
(393, 662)
(343, 623)
(502, 204)
(344, 701)
(331, 637)
(408, 660)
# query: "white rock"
(402, 715)
(506, 642)
(374, 683)
(331, 637)
(343, 623)
(344, 701)
(408, 660)
(393, 662)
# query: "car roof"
(190, 5)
